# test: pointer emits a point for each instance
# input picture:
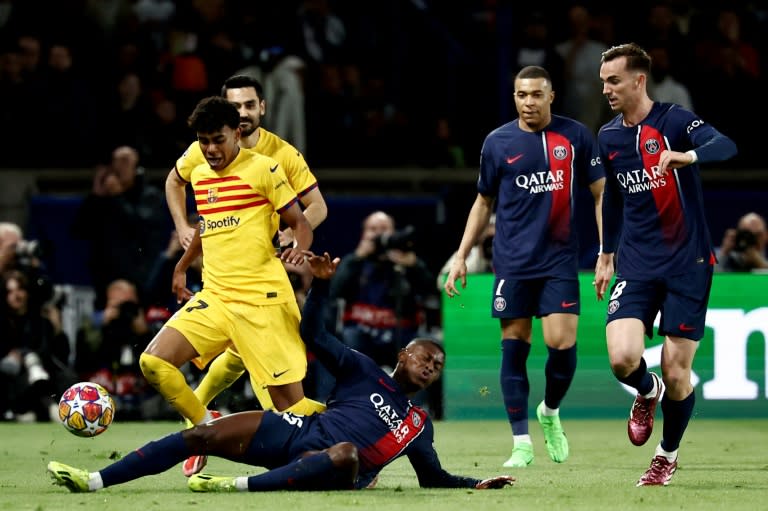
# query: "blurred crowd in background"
(108, 85)
(363, 84)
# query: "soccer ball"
(86, 409)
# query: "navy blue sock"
(639, 379)
(515, 386)
(313, 472)
(153, 458)
(676, 417)
(559, 371)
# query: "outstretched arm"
(426, 464)
(331, 352)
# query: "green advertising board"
(729, 371)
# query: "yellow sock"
(306, 407)
(172, 385)
(223, 372)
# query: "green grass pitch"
(723, 465)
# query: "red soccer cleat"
(659, 473)
(195, 464)
(640, 424)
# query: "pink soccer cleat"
(640, 424)
(659, 473)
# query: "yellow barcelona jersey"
(290, 159)
(238, 208)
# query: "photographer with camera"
(108, 349)
(34, 354)
(26, 256)
(383, 285)
(124, 221)
(743, 248)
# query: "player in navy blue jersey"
(655, 233)
(530, 170)
(370, 421)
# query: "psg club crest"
(613, 306)
(499, 303)
(560, 152)
(213, 195)
(652, 146)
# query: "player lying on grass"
(370, 421)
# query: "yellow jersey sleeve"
(191, 158)
(295, 166)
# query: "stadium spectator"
(661, 249)
(34, 355)
(581, 95)
(383, 285)
(108, 348)
(343, 448)
(727, 60)
(123, 221)
(535, 249)
(661, 84)
(744, 248)
(158, 285)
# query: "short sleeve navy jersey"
(368, 408)
(534, 177)
(654, 220)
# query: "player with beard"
(370, 422)
(247, 95)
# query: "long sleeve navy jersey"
(654, 219)
(368, 408)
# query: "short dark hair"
(533, 72)
(212, 114)
(637, 58)
(427, 340)
(242, 82)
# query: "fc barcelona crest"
(213, 195)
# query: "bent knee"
(676, 378)
(150, 364)
(200, 439)
(344, 454)
(623, 366)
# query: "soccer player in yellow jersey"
(247, 95)
(247, 299)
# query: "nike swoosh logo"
(278, 375)
(685, 328)
(272, 169)
(566, 305)
(613, 155)
(386, 385)
(513, 159)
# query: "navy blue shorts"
(681, 299)
(526, 298)
(283, 437)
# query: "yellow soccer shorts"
(265, 336)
